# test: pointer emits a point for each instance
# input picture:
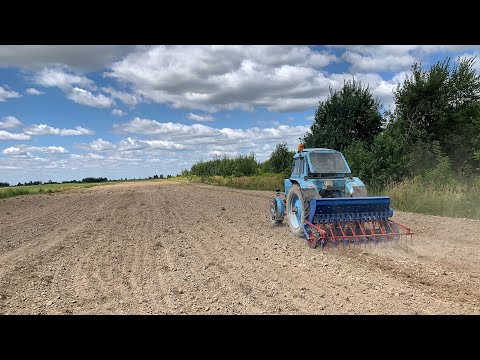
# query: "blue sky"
(73, 111)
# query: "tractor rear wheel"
(298, 209)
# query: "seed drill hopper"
(324, 203)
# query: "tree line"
(433, 131)
(280, 161)
(83, 181)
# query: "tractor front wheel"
(272, 213)
(297, 210)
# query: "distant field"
(11, 191)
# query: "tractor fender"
(310, 194)
(356, 188)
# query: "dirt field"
(178, 248)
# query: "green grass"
(267, 182)
(12, 191)
(454, 200)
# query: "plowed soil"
(182, 248)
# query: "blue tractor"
(326, 204)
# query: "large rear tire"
(298, 209)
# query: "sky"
(74, 111)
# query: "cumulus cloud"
(118, 112)
(44, 129)
(23, 149)
(5, 135)
(365, 58)
(207, 140)
(87, 156)
(125, 97)
(214, 78)
(8, 94)
(85, 97)
(80, 57)
(61, 77)
(69, 81)
(32, 91)
(97, 145)
(9, 122)
(361, 63)
(196, 117)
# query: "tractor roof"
(314, 150)
(324, 150)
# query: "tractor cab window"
(328, 163)
(298, 166)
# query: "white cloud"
(68, 81)
(44, 129)
(80, 57)
(61, 77)
(9, 122)
(97, 145)
(164, 145)
(87, 156)
(214, 78)
(5, 135)
(202, 139)
(310, 117)
(32, 91)
(394, 57)
(8, 94)
(85, 97)
(361, 63)
(125, 97)
(196, 117)
(118, 112)
(25, 150)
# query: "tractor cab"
(319, 163)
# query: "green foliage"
(94, 180)
(267, 181)
(347, 115)
(242, 165)
(442, 173)
(442, 104)
(281, 160)
(454, 199)
(383, 161)
(4, 184)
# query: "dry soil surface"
(183, 248)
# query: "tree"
(442, 104)
(281, 160)
(346, 115)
